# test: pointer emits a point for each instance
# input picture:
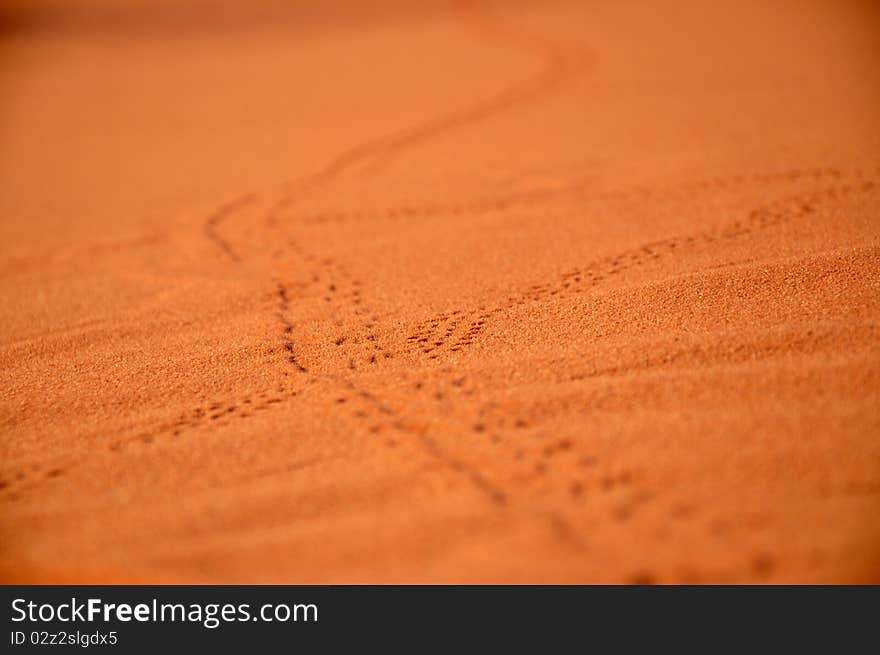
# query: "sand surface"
(322, 292)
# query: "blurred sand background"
(358, 292)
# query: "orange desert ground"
(372, 292)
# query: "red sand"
(438, 292)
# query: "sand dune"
(355, 292)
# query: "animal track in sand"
(537, 197)
(354, 321)
(214, 414)
(456, 330)
(529, 457)
(560, 64)
(342, 294)
(214, 221)
(16, 482)
(209, 415)
(287, 328)
(347, 300)
(393, 426)
(435, 333)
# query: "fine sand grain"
(359, 292)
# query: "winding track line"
(213, 222)
(560, 65)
